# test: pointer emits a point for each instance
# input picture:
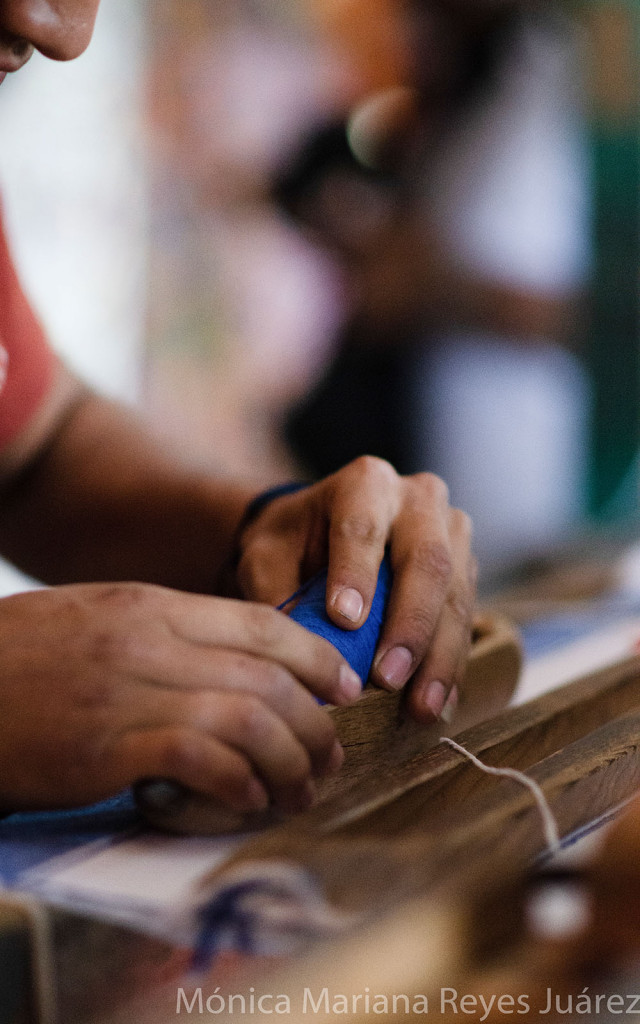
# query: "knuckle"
(433, 560)
(368, 471)
(179, 753)
(461, 524)
(371, 466)
(460, 606)
(235, 778)
(298, 768)
(263, 624)
(432, 486)
(279, 682)
(361, 528)
(126, 598)
(106, 648)
(97, 696)
(119, 649)
(418, 624)
(250, 719)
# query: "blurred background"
(295, 231)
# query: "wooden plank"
(518, 738)
(491, 836)
(430, 782)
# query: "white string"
(549, 823)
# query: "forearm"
(409, 280)
(476, 302)
(103, 501)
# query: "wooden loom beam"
(439, 813)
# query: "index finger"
(364, 503)
(265, 633)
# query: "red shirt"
(26, 361)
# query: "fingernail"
(349, 604)
(350, 683)
(448, 712)
(435, 697)
(336, 758)
(257, 796)
(395, 666)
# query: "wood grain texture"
(416, 791)
(376, 733)
(474, 845)
(437, 812)
(462, 883)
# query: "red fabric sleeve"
(27, 362)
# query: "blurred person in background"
(456, 205)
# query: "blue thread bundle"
(357, 646)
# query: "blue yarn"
(358, 646)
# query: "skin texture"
(59, 29)
(348, 519)
(106, 681)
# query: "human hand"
(346, 521)
(102, 685)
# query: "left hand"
(345, 521)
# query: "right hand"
(102, 685)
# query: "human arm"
(110, 682)
(117, 507)
(105, 684)
(407, 280)
(86, 494)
